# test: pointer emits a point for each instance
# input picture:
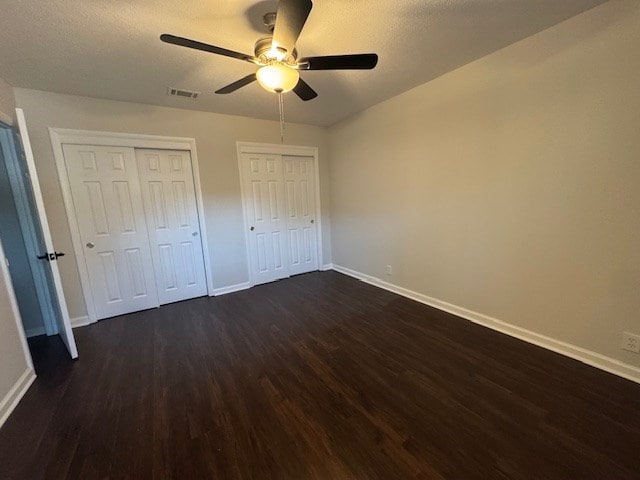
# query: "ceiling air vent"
(178, 92)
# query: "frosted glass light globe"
(277, 77)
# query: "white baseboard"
(34, 332)
(326, 266)
(80, 321)
(231, 288)
(16, 393)
(608, 364)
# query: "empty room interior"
(320, 240)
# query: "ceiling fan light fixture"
(277, 77)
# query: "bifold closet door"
(168, 193)
(299, 186)
(108, 204)
(263, 189)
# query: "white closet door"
(265, 215)
(168, 192)
(299, 186)
(106, 196)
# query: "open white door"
(64, 324)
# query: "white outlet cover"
(630, 342)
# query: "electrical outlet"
(389, 270)
(630, 342)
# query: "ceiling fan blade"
(185, 42)
(304, 91)
(363, 61)
(290, 18)
(232, 87)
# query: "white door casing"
(168, 193)
(300, 200)
(13, 305)
(108, 207)
(64, 327)
(263, 192)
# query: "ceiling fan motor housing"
(264, 52)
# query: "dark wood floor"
(315, 377)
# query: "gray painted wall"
(7, 102)
(509, 187)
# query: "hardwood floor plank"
(314, 377)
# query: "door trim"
(276, 149)
(60, 136)
(13, 303)
(9, 402)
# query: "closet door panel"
(108, 205)
(299, 181)
(168, 193)
(265, 215)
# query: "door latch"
(50, 257)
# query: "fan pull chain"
(281, 106)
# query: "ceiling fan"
(276, 54)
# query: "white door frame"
(13, 303)
(277, 149)
(27, 378)
(60, 136)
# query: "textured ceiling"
(110, 48)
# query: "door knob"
(50, 257)
(90, 245)
(194, 234)
(252, 229)
(312, 220)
